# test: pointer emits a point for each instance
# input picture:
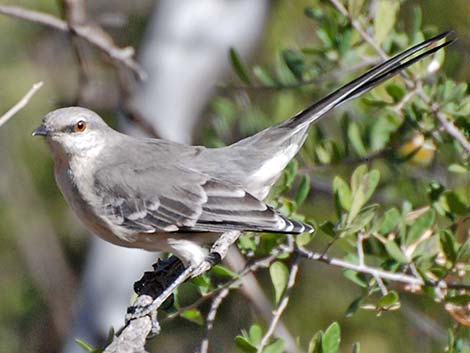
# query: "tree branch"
(21, 104)
(146, 307)
(392, 276)
(216, 302)
(92, 33)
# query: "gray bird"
(159, 195)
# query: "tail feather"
(367, 81)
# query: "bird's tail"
(367, 81)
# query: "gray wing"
(161, 199)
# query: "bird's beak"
(41, 131)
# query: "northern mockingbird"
(159, 195)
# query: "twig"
(435, 108)
(75, 15)
(393, 276)
(282, 304)
(360, 248)
(216, 302)
(92, 33)
(21, 104)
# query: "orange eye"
(80, 126)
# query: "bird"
(159, 195)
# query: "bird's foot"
(149, 300)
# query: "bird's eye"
(80, 126)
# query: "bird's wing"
(161, 199)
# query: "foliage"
(394, 213)
(396, 177)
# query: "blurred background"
(46, 287)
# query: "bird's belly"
(83, 211)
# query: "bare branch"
(393, 276)
(216, 302)
(92, 33)
(21, 104)
(282, 304)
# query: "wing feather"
(156, 200)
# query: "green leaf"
(355, 277)
(223, 271)
(448, 245)
(419, 226)
(384, 20)
(304, 238)
(381, 131)
(276, 347)
(294, 61)
(356, 347)
(203, 283)
(463, 254)
(256, 334)
(314, 346)
(328, 228)
(353, 307)
(331, 339)
(391, 219)
(279, 274)
(291, 172)
(367, 185)
(302, 190)
(84, 345)
(356, 177)
(457, 168)
(354, 135)
(394, 251)
(453, 204)
(244, 344)
(342, 193)
(395, 91)
(193, 315)
(263, 76)
(239, 67)
(388, 299)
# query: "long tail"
(367, 81)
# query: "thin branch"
(393, 276)
(92, 33)
(360, 248)
(21, 104)
(74, 12)
(282, 304)
(448, 125)
(216, 302)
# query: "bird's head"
(73, 131)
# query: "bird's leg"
(153, 283)
(150, 309)
(167, 282)
(218, 252)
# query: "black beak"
(41, 131)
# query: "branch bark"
(20, 105)
(92, 33)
